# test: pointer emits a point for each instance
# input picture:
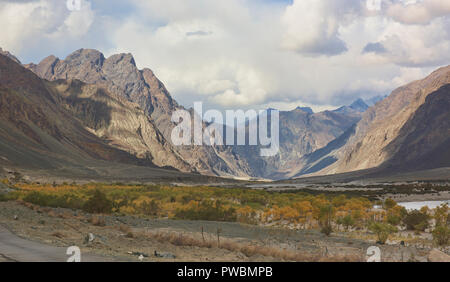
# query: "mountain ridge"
(127, 112)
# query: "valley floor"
(125, 238)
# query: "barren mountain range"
(407, 131)
(88, 108)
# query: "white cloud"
(311, 27)
(29, 23)
(248, 53)
(416, 45)
(419, 12)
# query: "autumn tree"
(325, 219)
(382, 230)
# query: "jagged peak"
(84, 55)
(125, 57)
(9, 55)
(359, 105)
(305, 109)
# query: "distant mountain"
(305, 109)
(372, 101)
(302, 133)
(406, 131)
(358, 106)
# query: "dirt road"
(14, 248)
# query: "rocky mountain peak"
(118, 73)
(122, 58)
(83, 56)
(359, 105)
(9, 55)
(305, 109)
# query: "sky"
(241, 54)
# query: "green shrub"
(382, 230)
(393, 219)
(389, 203)
(325, 219)
(416, 221)
(326, 230)
(208, 210)
(54, 201)
(441, 235)
(98, 203)
(346, 221)
(149, 208)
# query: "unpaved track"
(14, 248)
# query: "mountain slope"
(41, 132)
(302, 130)
(424, 140)
(383, 129)
(120, 76)
(35, 127)
(302, 133)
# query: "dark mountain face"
(406, 131)
(424, 140)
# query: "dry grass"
(248, 250)
(179, 239)
(58, 234)
(97, 221)
(124, 228)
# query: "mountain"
(406, 131)
(88, 108)
(119, 75)
(358, 106)
(305, 109)
(372, 101)
(9, 55)
(302, 131)
(41, 131)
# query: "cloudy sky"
(246, 53)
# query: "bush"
(441, 235)
(325, 218)
(326, 230)
(393, 219)
(98, 203)
(149, 208)
(389, 203)
(207, 210)
(54, 201)
(346, 221)
(382, 230)
(416, 221)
